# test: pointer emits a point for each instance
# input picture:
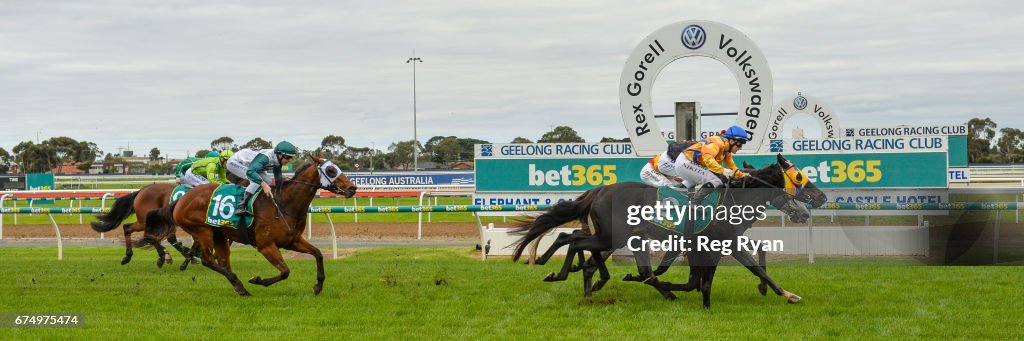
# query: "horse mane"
(762, 173)
(302, 168)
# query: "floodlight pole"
(415, 140)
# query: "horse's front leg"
(302, 245)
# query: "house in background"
(70, 168)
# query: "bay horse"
(141, 202)
(278, 222)
(605, 211)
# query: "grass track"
(391, 293)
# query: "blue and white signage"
(520, 198)
(959, 175)
(859, 145)
(553, 150)
(408, 179)
(906, 131)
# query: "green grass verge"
(434, 293)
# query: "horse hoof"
(183, 266)
(125, 260)
(670, 296)
(793, 298)
(629, 277)
(255, 280)
(160, 263)
(763, 289)
(316, 289)
(550, 277)
(244, 293)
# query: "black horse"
(604, 208)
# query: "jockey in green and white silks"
(253, 165)
(207, 170)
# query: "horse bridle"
(791, 196)
(333, 188)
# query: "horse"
(613, 231)
(278, 222)
(565, 238)
(141, 202)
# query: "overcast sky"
(177, 74)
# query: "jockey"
(208, 170)
(184, 165)
(651, 173)
(702, 163)
(253, 165)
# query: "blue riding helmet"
(213, 154)
(736, 133)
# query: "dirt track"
(349, 231)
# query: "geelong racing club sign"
(686, 39)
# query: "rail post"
(810, 239)
(334, 236)
(103, 204)
(995, 239)
(60, 243)
(2, 198)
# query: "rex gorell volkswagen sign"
(686, 39)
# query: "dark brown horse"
(141, 202)
(278, 222)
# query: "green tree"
(561, 134)
(222, 143)
(520, 139)
(467, 148)
(333, 147)
(430, 148)
(1010, 144)
(400, 154)
(980, 133)
(612, 140)
(202, 153)
(5, 158)
(154, 154)
(449, 150)
(257, 144)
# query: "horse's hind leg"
(178, 245)
(562, 239)
(128, 229)
(706, 278)
(763, 287)
(204, 241)
(748, 261)
(161, 253)
(666, 262)
(302, 245)
(598, 260)
(193, 256)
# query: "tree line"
(443, 151)
(987, 143)
(984, 147)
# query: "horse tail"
(159, 225)
(534, 227)
(122, 209)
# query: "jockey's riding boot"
(697, 198)
(243, 207)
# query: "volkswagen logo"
(693, 37)
(800, 103)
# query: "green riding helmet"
(213, 154)
(226, 154)
(285, 148)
